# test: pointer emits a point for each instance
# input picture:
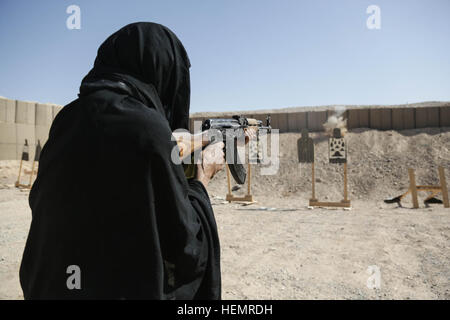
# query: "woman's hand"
(250, 134)
(213, 159)
(188, 143)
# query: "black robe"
(108, 197)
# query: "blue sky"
(245, 54)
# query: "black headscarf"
(108, 197)
(148, 58)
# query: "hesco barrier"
(401, 117)
(20, 120)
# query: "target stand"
(246, 198)
(337, 154)
(25, 157)
(344, 203)
(435, 190)
(254, 155)
(31, 173)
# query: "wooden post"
(413, 188)
(31, 175)
(313, 182)
(20, 170)
(229, 182)
(345, 182)
(444, 189)
(249, 175)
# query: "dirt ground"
(277, 248)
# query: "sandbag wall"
(20, 120)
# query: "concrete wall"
(20, 120)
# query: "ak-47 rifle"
(228, 131)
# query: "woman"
(113, 216)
